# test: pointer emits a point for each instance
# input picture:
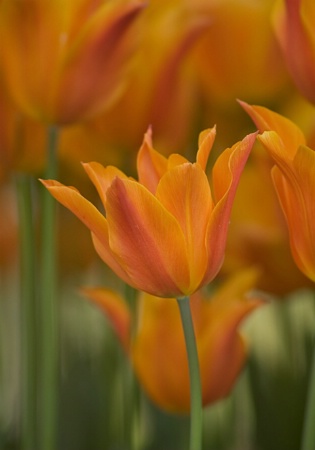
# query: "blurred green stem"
(133, 417)
(308, 436)
(194, 373)
(28, 312)
(47, 308)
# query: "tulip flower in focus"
(64, 61)
(295, 29)
(294, 179)
(157, 348)
(164, 234)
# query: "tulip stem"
(28, 312)
(308, 436)
(133, 417)
(194, 374)
(47, 308)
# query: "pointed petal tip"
(54, 185)
(88, 165)
(148, 135)
(246, 107)
(242, 103)
(50, 183)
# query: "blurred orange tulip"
(233, 58)
(294, 180)
(295, 29)
(162, 91)
(166, 233)
(157, 348)
(63, 60)
(258, 233)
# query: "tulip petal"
(298, 171)
(105, 253)
(151, 165)
(274, 145)
(226, 174)
(185, 193)
(267, 120)
(19, 19)
(159, 354)
(92, 219)
(276, 149)
(175, 159)
(222, 349)
(294, 28)
(102, 177)
(98, 50)
(206, 140)
(226, 350)
(146, 239)
(72, 199)
(296, 195)
(304, 164)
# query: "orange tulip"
(157, 349)
(258, 233)
(164, 234)
(227, 62)
(294, 180)
(63, 60)
(165, 91)
(294, 25)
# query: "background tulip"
(88, 44)
(293, 177)
(294, 26)
(157, 347)
(258, 236)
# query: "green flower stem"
(47, 308)
(308, 436)
(194, 373)
(133, 409)
(28, 312)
